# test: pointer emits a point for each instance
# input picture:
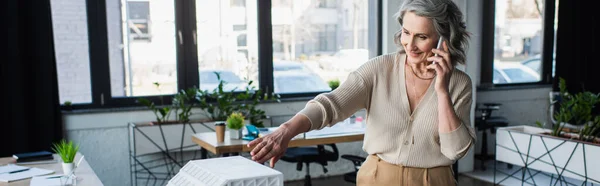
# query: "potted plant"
(334, 84)
(218, 104)
(235, 122)
(162, 113)
(557, 150)
(183, 102)
(66, 151)
(68, 105)
(249, 102)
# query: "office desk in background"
(337, 134)
(85, 174)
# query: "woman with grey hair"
(418, 105)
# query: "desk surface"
(85, 174)
(339, 134)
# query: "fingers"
(274, 159)
(445, 53)
(435, 66)
(445, 46)
(265, 154)
(257, 148)
(439, 61)
(254, 142)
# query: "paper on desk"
(6, 177)
(10, 168)
(44, 181)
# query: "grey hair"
(447, 20)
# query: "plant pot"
(67, 168)
(519, 144)
(235, 134)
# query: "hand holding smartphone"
(439, 45)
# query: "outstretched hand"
(271, 146)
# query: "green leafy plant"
(66, 150)
(235, 121)
(161, 113)
(183, 102)
(249, 101)
(217, 103)
(576, 109)
(334, 84)
(68, 103)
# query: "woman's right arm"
(325, 109)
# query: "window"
(141, 49)
(320, 40)
(71, 47)
(241, 40)
(142, 68)
(326, 4)
(222, 33)
(519, 28)
(326, 35)
(138, 20)
(238, 3)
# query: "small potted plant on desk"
(66, 151)
(235, 122)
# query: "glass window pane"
(518, 39)
(142, 47)
(69, 22)
(227, 43)
(318, 41)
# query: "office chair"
(357, 161)
(307, 155)
(486, 122)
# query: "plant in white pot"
(66, 151)
(558, 150)
(235, 122)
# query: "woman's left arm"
(456, 134)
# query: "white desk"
(337, 134)
(85, 174)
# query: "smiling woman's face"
(418, 37)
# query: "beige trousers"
(375, 171)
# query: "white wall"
(520, 107)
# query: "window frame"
(187, 57)
(487, 50)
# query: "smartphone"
(439, 47)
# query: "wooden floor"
(339, 181)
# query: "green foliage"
(334, 84)
(67, 103)
(219, 104)
(183, 102)
(66, 150)
(249, 101)
(577, 109)
(161, 113)
(539, 124)
(235, 121)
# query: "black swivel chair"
(307, 155)
(486, 122)
(357, 161)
